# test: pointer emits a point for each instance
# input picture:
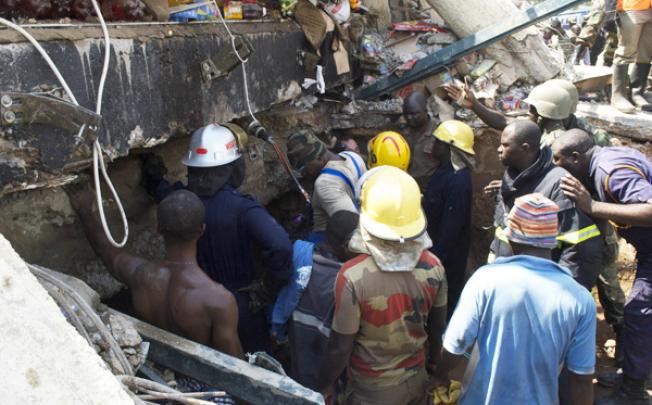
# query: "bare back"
(184, 300)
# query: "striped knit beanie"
(533, 221)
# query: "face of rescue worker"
(415, 115)
(312, 169)
(440, 150)
(509, 151)
(574, 162)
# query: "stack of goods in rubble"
(112, 10)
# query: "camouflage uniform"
(603, 13)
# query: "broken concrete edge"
(240, 379)
(165, 57)
(75, 32)
(634, 126)
(50, 362)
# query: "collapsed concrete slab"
(45, 360)
(635, 126)
(157, 88)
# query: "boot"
(619, 90)
(639, 76)
(631, 392)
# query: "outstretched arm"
(465, 98)
(118, 262)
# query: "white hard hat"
(212, 145)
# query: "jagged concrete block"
(45, 360)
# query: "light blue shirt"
(528, 317)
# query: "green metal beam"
(250, 383)
(439, 60)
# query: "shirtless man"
(173, 294)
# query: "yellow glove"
(447, 395)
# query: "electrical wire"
(98, 159)
(243, 63)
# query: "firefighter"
(622, 179)
(235, 223)
(529, 169)
(388, 148)
(335, 177)
(448, 200)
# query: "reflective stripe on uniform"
(312, 321)
(579, 236)
(573, 237)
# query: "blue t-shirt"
(528, 317)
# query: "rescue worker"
(235, 224)
(384, 296)
(545, 101)
(554, 112)
(622, 178)
(173, 294)
(388, 148)
(334, 175)
(448, 201)
(418, 133)
(313, 315)
(634, 47)
(529, 169)
(523, 316)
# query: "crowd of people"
(375, 304)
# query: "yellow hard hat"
(388, 148)
(457, 134)
(390, 206)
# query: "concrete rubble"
(44, 230)
(47, 361)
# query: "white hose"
(98, 159)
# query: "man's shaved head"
(415, 110)
(525, 131)
(519, 144)
(181, 217)
(572, 150)
(416, 99)
(573, 140)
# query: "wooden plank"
(443, 57)
(247, 382)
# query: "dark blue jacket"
(234, 223)
(447, 205)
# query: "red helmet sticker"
(201, 151)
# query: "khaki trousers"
(410, 392)
(634, 40)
